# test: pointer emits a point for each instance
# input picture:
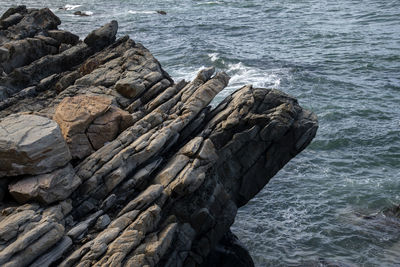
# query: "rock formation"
(105, 160)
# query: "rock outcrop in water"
(105, 160)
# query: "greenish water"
(341, 59)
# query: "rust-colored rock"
(106, 127)
(74, 115)
(89, 121)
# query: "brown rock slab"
(89, 121)
(74, 115)
(107, 127)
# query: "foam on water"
(89, 13)
(240, 74)
(213, 56)
(71, 7)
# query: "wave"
(240, 74)
(71, 7)
(213, 56)
(89, 13)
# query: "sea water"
(341, 59)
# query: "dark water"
(341, 59)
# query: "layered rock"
(156, 175)
(89, 121)
(31, 144)
(46, 188)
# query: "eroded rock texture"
(144, 172)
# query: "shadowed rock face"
(156, 176)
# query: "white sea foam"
(187, 74)
(240, 75)
(142, 12)
(71, 7)
(89, 13)
(213, 56)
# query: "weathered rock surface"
(31, 144)
(89, 121)
(102, 37)
(157, 175)
(46, 188)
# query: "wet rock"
(392, 211)
(80, 13)
(31, 144)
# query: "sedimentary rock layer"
(143, 171)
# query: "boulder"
(106, 127)
(22, 52)
(87, 122)
(80, 13)
(31, 144)
(63, 37)
(46, 188)
(13, 10)
(11, 20)
(103, 36)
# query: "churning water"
(341, 59)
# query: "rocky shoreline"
(105, 160)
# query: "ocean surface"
(341, 59)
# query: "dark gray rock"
(31, 144)
(102, 37)
(229, 252)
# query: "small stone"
(108, 202)
(102, 222)
(80, 13)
